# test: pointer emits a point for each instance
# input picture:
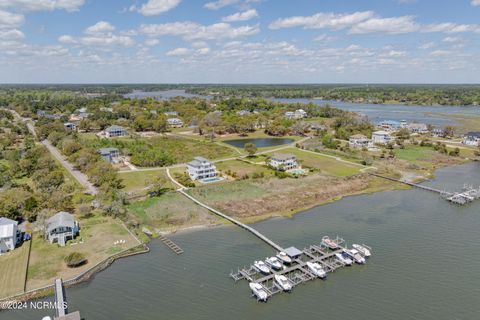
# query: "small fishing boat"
(362, 249)
(317, 269)
(344, 258)
(258, 291)
(283, 282)
(356, 256)
(261, 266)
(284, 257)
(326, 241)
(274, 263)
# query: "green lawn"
(136, 181)
(242, 168)
(414, 153)
(13, 271)
(323, 164)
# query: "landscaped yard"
(98, 234)
(414, 153)
(137, 181)
(13, 270)
(241, 168)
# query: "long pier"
(61, 311)
(234, 221)
(411, 184)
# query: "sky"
(239, 41)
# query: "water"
(259, 142)
(425, 266)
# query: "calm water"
(259, 142)
(425, 266)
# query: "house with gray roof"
(115, 131)
(109, 154)
(200, 168)
(8, 234)
(283, 161)
(472, 139)
(60, 228)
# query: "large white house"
(8, 235)
(382, 137)
(200, 168)
(472, 139)
(359, 141)
(283, 161)
(297, 114)
(60, 228)
(417, 128)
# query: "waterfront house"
(175, 122)
(60, 228)
(390, 125)
(200, 168)
(70, 126)
(297, 114)
(472, 139)
(417, 128)
(115, 131)
(438, 132)
(283, 161)
(382, 137)
(359, 141)
(109, 154)
(8, 234)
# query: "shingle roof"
(115, 128)
(282, 156)
(198, 161)
(7, 227)
(107, 151)
(475, 134)
(62, 218)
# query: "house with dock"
(382, 137)
(201, 168)
(8, 235)
(472, 139)
(110, 155)
(61, 227)
(283, 162)
(115, 131)
(359, 141)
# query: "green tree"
(251, 149)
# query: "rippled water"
(425, 265)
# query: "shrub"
(75, 259)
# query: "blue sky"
(239, 41)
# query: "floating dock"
(171, 245)
(297, 272)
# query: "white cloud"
(42, 5)
(322, 20)
(177, 52)
(452, 39)
(10, 20)
(215, 5)
(193, 31)
(152, 42)
(100, 27)
(449, 27)
(440, 53)
(13, 34)
(155, 7)
(427, 45)
(475, 3)
(203, 51)
(241, 16)
(397, 25)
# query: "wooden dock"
(171, 245)
(61, 307)
(298, 272)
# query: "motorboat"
(274, 263)
(261, 266)
(258, 291)
(344, 258)
(326, 241)
(317, 269)
(362, 249)
(284, 257)
(356, 256)
(283, 282)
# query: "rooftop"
(62, 218)
(282, 156)
(293, 252)
(115, 128)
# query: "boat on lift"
(258, 291)
(261, 266)
(356, 256)
(344, 258)
(326, 241)
(274, 263)
(283, 282)
(317, 269)
(284, 257)
(363, 249)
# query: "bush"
(75, 259)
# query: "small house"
(60, 228)
(318, 127)
(283, 161)
(297, 114)
(8, 234)
(359, 141)
(115, 131)
(438, 132)
(171, 114)
(175, 122)
(390, 125)
(472, 139)
(201, 168)
(382, 137)
(109, 154)
(70, 126)
(417, 128)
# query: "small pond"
(259, 142)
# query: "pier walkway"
(409, 183)
(234, 221)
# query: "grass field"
(415, 153)
(242, 168)
(13, 271)
(136, 181)
(98, 234)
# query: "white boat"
(283, 282)
(284, 257)
(317, 269)
(261, 266)
(326, 241)
(258, 291)
(343, 258)
(274, 263)
(356, 256)
(363, 250)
